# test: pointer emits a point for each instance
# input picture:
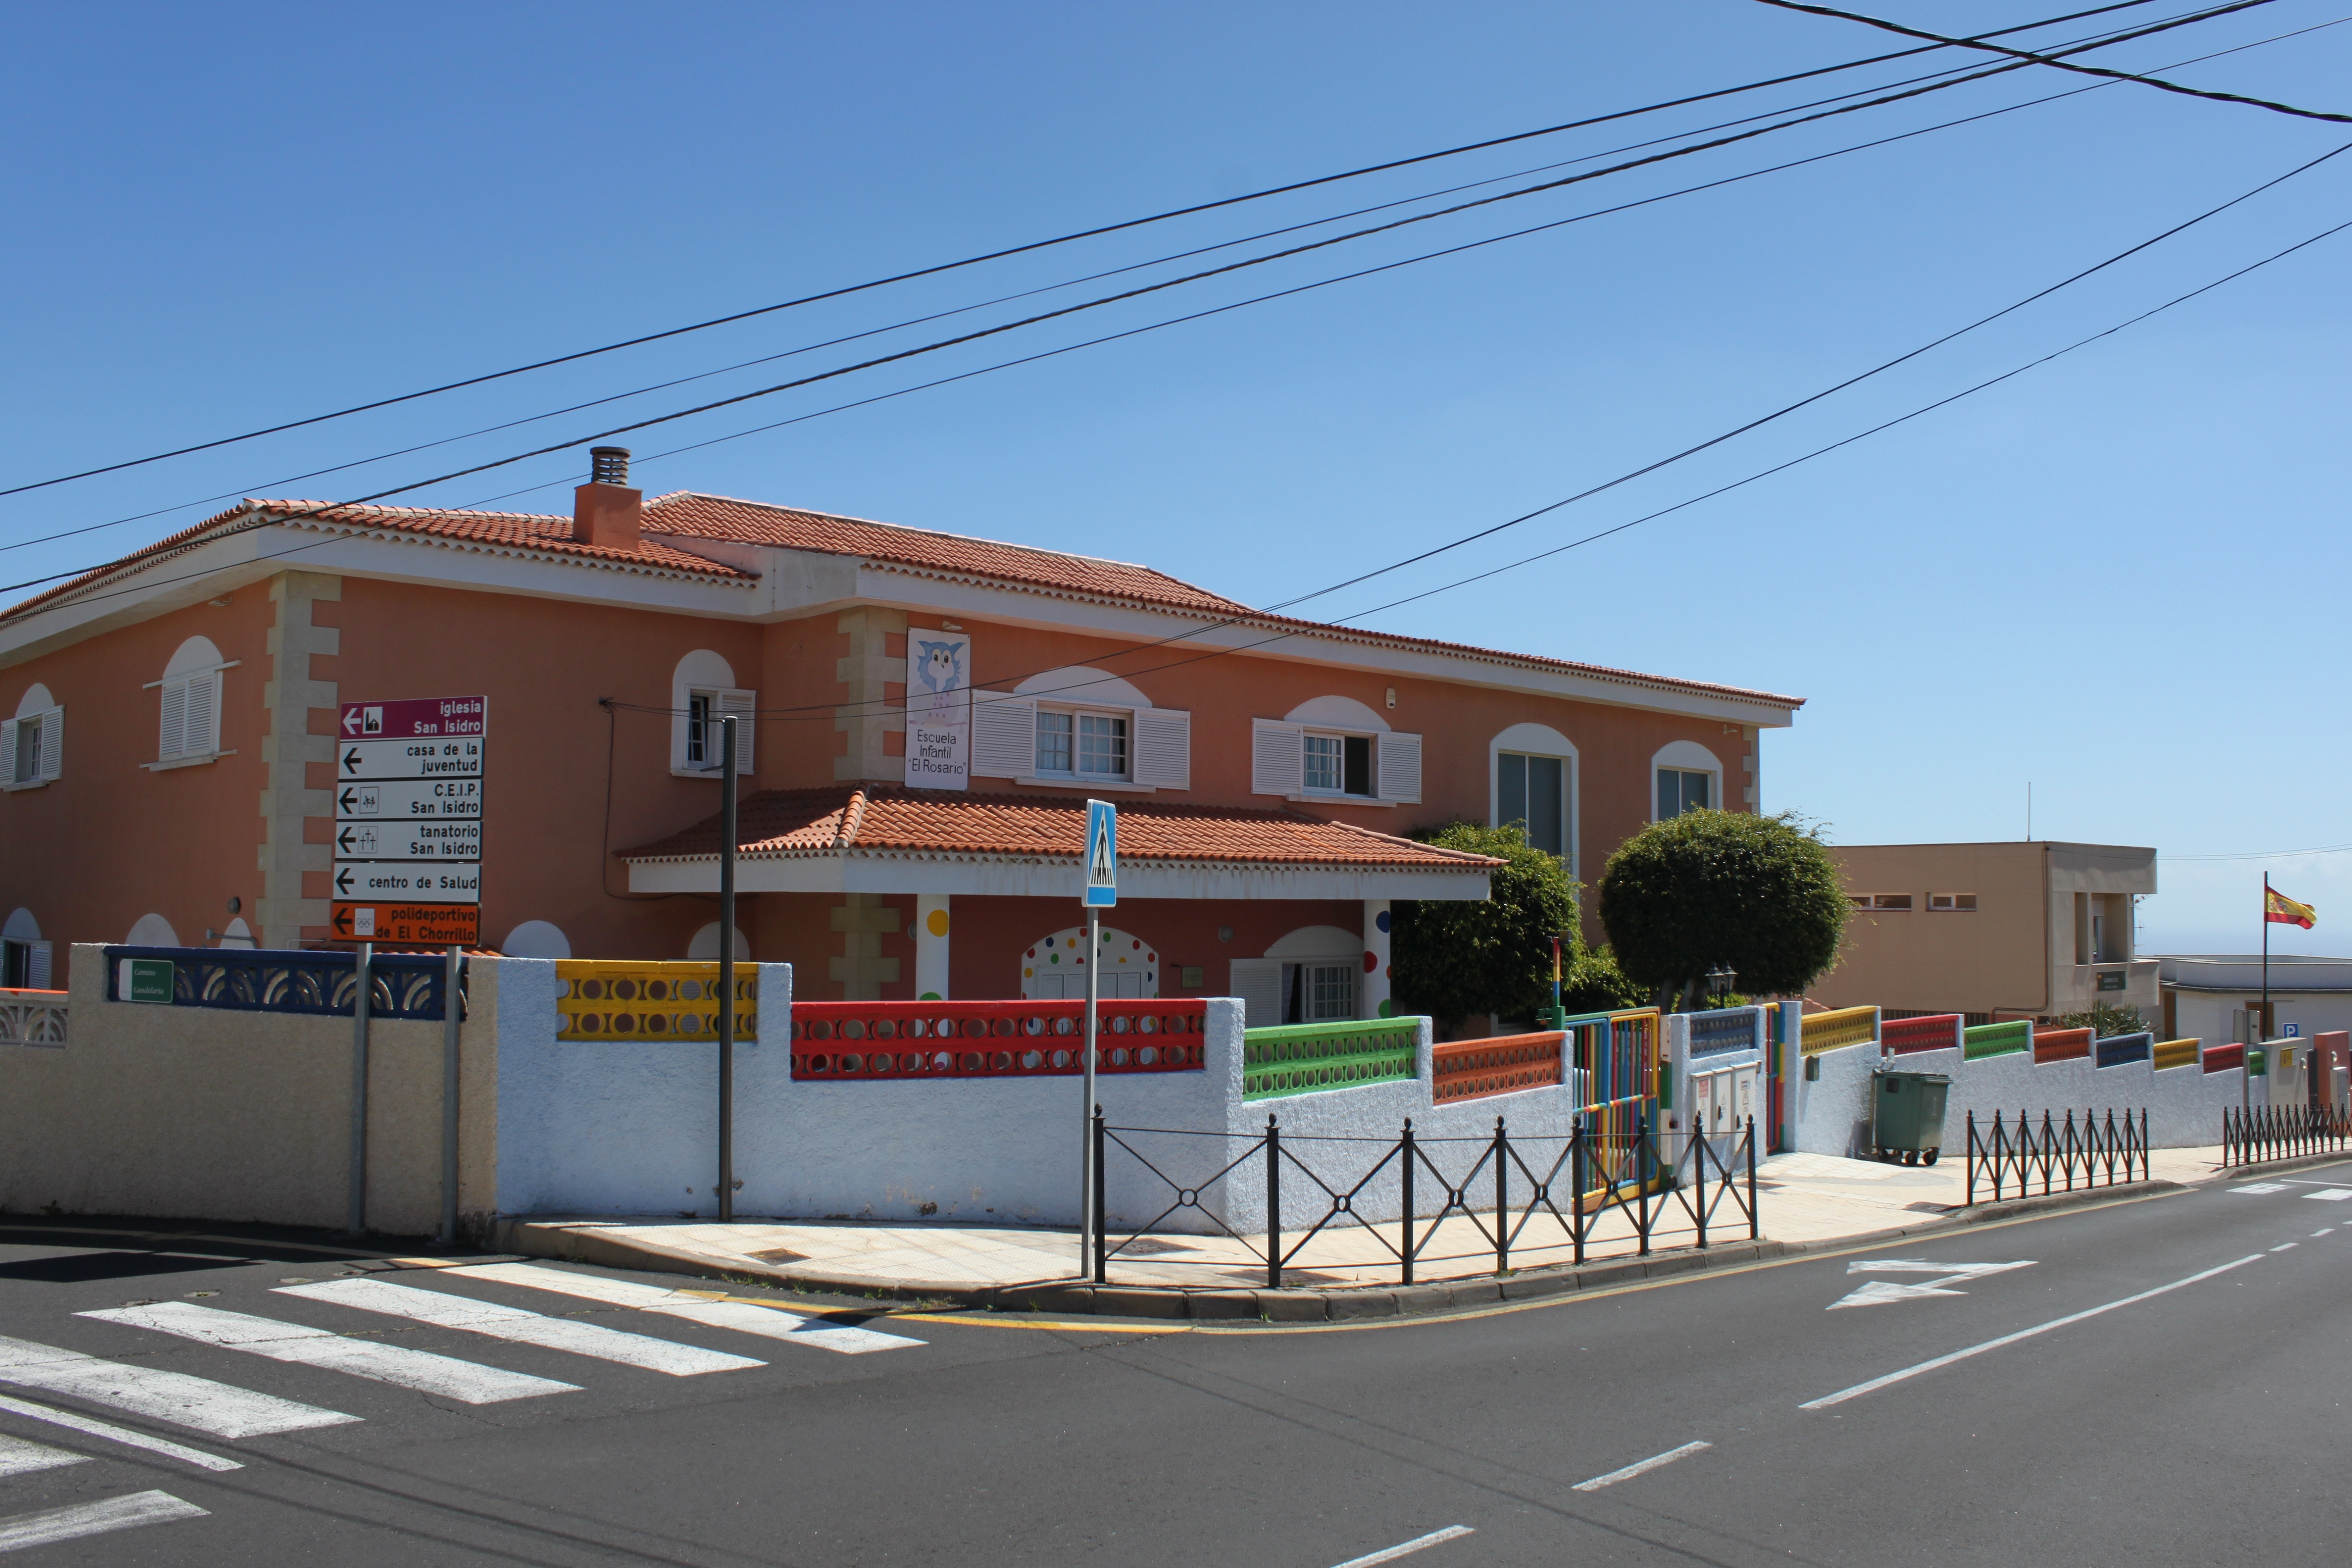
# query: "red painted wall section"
(110, 841)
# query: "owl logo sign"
(938, 710)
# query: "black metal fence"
(2261, 1133)
(1501, 1184)
(2010, 1155)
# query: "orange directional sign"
(416, 925)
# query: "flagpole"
(2265, 1025)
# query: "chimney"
(605, 511)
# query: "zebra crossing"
(225, 1411)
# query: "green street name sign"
(145, 980)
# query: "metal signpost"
(1101, 894)
(727, 971)
(408, 871)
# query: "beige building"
(1995, 931)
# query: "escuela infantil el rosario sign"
(928, 713)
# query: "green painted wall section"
(1303, 1058)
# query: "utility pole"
(727, 971)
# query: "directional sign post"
(408, 822)
(1101, 894)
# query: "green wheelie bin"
(1907, 1116)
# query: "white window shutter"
(1400, 767)
(1277, 764)
(1163, 748)
(743, 706)
(174, 742)
(37, 967)
(53, 743)
(1004, 735)
(204, 714)
(8, 750)
(1258, 983)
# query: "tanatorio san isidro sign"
(408, 822)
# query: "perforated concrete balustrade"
(854, 1041)
(605, 999)
(1303, 1058)
(32, 1018)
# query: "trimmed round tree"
(1722, 889)
(1452, 959)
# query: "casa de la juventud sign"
(408, 822)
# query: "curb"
(2279, 1167)
(1203, 1303)
(1302, 1304)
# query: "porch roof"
(888, 838)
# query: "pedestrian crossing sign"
(1102, 855)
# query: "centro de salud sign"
(408, 822)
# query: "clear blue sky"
(2109, 578)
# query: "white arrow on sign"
(1879, 1293)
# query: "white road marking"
(52, 1525)
(746, 1316)
(74, 1421)
(2262, 1187)
(2320, 1233)
(1391, 1553)
(2331, 1194)
(2284, 1246)
(1883, 1292)
(443, 1311)
(19, 1458)
(172, 1396)
(1876, 1384)
(467, 1382)
(1643, 1467)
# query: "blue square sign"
(1102, 855)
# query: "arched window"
(1310, 976)
(1055, 968)
(23, 956)
(189, 726)
(1531, 773)
(702, 690)
(1686, 777)
(152, 930)
(1334, 749)
(32, 744)
(1084, 729)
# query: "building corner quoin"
(287, 749)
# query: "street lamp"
(1721, 976)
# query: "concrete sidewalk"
(1806, 1201)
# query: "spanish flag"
(2278, 908)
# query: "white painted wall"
(2184, 1105)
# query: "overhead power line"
(1124, 295)
(2272, 104)
(1057, 240)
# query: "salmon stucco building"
(922, 717)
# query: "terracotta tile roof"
(483, 530)
(923, 550)
(888, 819)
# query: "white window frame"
(1542, 740)
(1950, 903)
(1074, 775)
(1686, 757)
(1159, 741)
(705, 675)
(1278, 754)
(186, 683)
(48, 756)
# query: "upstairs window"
(1533, 791)
(189, 705)
(1899, 903)
(1338, 763)
(1683, 790)
(1334, 748)
(702, 691)
(1086, 745)
(32, 744)
(1956, 903)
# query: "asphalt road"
(2203, 1422)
